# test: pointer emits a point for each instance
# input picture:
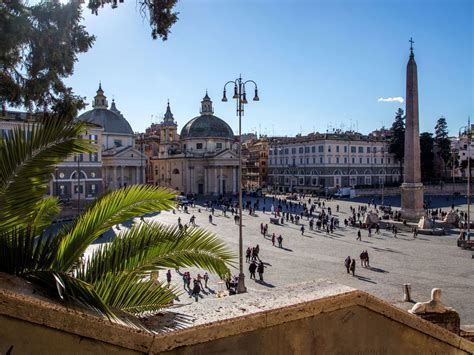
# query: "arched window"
(82, 176)
(337, 172)
(175, 171)
(352, 172)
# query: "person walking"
(302, 230)
(280, 241)
(362, 258)
(367, 259)
(347, 263)
(273, 239)
(168, 277)
(248, 254)
(260, 269)
(359, 235)
(252, 269)
(206, 279)
(353, 267)
(210, 218)
(196, 290)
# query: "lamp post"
(468, 132)
(241, 99)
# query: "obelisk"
(412, 188)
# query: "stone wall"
(317, 317)
(447, 189)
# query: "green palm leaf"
(107, 211)
(28, 157)
(131, 293)
(151, 246)
(44, 213)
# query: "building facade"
(122, 163)
(115, 162)
(202, 159)
(255, 164)
(316, 162)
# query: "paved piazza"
(425, 262)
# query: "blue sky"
(319, 64)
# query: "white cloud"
(391, 99)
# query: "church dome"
(112, 121)
(206, 125)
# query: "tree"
(426, 156)
(116, 276)
(397, 139)
(40, 43)
(442, 142)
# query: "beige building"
(201, 160)
(255, 164)
(122, 163)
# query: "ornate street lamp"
(241, 99)
(468, 132)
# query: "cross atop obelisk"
(412, 188)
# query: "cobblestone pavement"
(425, 262)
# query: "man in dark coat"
(260, 270)
(252, 269)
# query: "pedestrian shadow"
(287, 249)
(377, 269)
(211, 291)
(365, 279)
(389, 250)
(366, 241)
(264, 283)
(265, 263)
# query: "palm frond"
(17, 249)
(28, 157)
(44, 213)
(110, 209)
(151, 246)
(70, 290)
(132, 293)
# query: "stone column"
(136, 175)
(115, 177)
(234, 180)
(221, 190)
(205, 180)
(412, 188)
(142, 178)
(216, 184)
(122, 180)
(105, 182)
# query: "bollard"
(407, 292)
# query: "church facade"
(202, 159)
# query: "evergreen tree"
(442, 142)
(40, 43)
(397, 139)
(426, 155)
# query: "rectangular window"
(94, 157)
(80, 157)
(293, 150)
(301, 160)
(368, 149)
(337, 149)
(329, 160)
(118, 142)
(368, 160)
(375, 160)
(353, 149)
(218, 146)
(286, 150)
(353, 160)
(307, 160)
(345, 160)
(329, 148)
(93, 138)
(306, 149)
(360, 160)
(345, 149)
(198, 145)
(361, 149)
(314, 160)
(381, 160)
(337, 160)
(320, 160)
(313, 149)
(301, 150)
(321, 149)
